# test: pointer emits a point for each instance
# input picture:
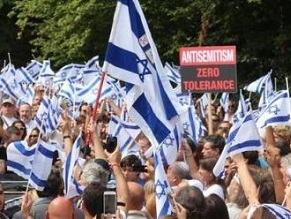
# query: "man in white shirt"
(25, 114)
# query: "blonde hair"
(283, 132)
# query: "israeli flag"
(243, 136)
(42, 165)
(23, 76)
(191, 124)
(242, 108)
(70, 71)
(169, 148)
(46, 75)
(203, 103)
(258, 85)
(224, 101)
(72, 188)
(172, 73)
(163, 188)
(93, 63)
(132, 57)
(126, 133)
(34, 68)
(19, 158)
(278, 211)
(48, 115)
(7, 81)
(277, 112)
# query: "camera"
(86, 150)
(139, 168)
(111, 144)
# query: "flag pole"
(94, 113)
(287, 84)
(9, 57)
(209, 115)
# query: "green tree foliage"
(75, 30)
(65, 31)
(19, 49)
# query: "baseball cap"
(8, 100)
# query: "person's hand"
(92, 127)
(181, 212)
(185, 147)
(272, 155)
(109, 216)
(115, 156)
(26, 205)
(238, 159)
(65, 124)
(287, 198)
(244, 212)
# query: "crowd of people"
(254, 181)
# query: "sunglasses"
(7, 105)
(33, 136)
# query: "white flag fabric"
(203, 100)
(192, 124)
(242, 108)
(34, 68)
(8, 83)
(72, 188)
(243, 136)
(19, 158)
(278, 211)
(132, 57)
(169, 148)
(69, 71)
(258, 85)
(48, 115)
(46, 75)
(277, 112)
(41, 165)
(126, 133)
(163, 188)
(224, 101)
(23, 76)
(172, 73)
(93, 63)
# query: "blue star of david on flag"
(144, 70)
(44, 116)
(186, 126)
(160, 188)
(63, 74)
(183, 102)
(274, 109)
(168, 141)
(114, 97)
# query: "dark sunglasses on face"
(7, 105)
(33, 136)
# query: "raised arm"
(98, 147)
(66, 128)
(247, 182)
(189, 159)
(121, 184)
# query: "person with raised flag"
(132, 57)
(277, 112)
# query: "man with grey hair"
(95, 170)
(176, 172)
